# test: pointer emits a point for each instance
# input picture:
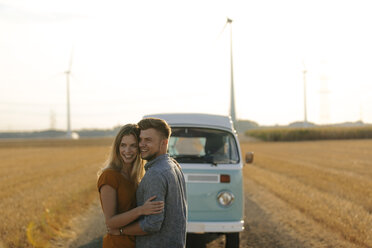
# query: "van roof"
(198, 120)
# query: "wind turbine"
(232, 94)
(68, 75)
(305, 107)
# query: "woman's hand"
(115, 231)
(152, 207)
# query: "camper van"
(207, 148)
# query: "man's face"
(151, 143)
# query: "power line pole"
(52, 120)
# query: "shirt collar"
(149, 164)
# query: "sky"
(132, 58)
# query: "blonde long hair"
(115, 161)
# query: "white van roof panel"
(206, 120)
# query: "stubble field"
(323, 190)
(44, 183)
(298, 194)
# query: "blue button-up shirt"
(163, 178)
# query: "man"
(165, 180)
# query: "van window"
(202, 145)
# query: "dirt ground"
(269, 222)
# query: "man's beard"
(152, 156)
(149, 157)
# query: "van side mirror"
(249, 157)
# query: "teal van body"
(202, 197)
(207, 148)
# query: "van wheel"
(232, 240)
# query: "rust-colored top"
(126, 200)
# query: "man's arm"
(155, 184)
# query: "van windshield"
(202, 145)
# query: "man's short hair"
(158, 124)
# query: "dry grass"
(44, 183)
(329, 181)
(47, 182)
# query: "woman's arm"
(115, 221)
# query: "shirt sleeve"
(108, 177)
(155, 185)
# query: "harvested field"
(298, 194)
(44, 184)
(329, 182)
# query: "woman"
(117, 186)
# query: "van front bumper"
(214, 227)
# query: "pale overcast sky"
(133, 58)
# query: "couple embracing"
(144, 205)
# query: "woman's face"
(128, 149)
